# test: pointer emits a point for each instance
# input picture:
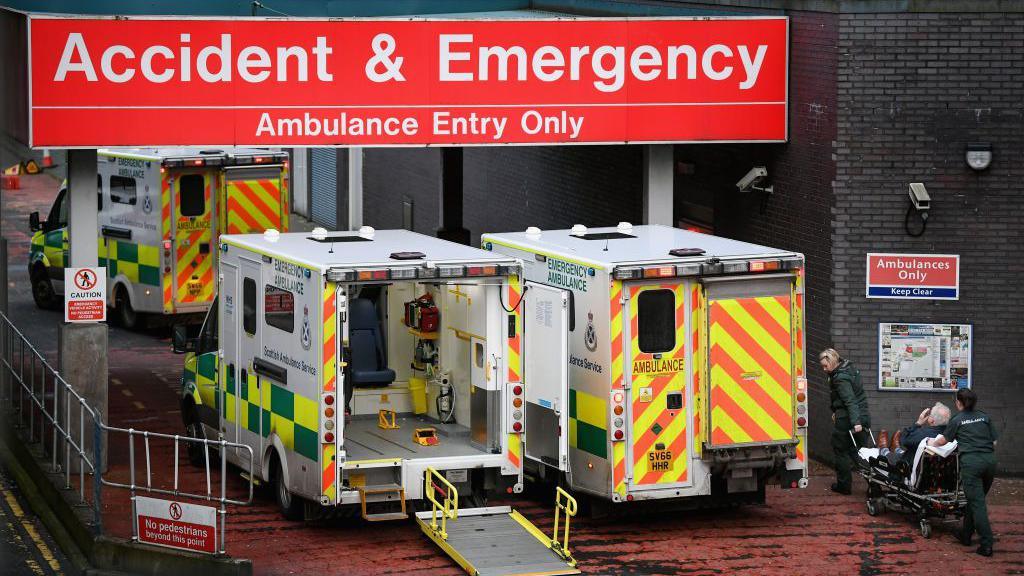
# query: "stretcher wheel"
(872, 507)
(926, 529)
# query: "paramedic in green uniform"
(849, 412)
(976, 440)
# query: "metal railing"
(564, 504)
(448, 507)
(43, 402)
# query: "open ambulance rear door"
(194, 236)
(255, 197)
(546, 362)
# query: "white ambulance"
(673, 361)
(160, 213)
(304, 318)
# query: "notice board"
(924, 356)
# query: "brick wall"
(797, 216)
(914, 89)
(508, 188)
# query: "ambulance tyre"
(196, 455)
(291, 507)
(126, 315)
(42, 289)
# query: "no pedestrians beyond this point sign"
(85, 294)
(176, 524)
(913, 276)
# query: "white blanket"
(923, 447)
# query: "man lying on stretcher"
(930, 424)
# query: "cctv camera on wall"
(753, 180)
(919, 196)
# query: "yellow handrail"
(564, 502)
(449, 508)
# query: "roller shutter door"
(323, 170)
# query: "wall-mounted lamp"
(979, 155)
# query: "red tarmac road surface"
(807, 531)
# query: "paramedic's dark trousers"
(977, 470)
(845, 451)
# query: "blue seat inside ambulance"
(366, 346)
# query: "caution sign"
(85, 294)
(176, 524)
(658, 366)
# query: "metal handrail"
(449, 507)
(33, 378)
(564, 504)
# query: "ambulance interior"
(420, 349)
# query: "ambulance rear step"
(392, 493)
(495, 540)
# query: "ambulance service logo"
(307, 336)
(147, 204)
(590, 336)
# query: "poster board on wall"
(922, 357)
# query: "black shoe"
(841, 489)
(964, 537)
(984, 550)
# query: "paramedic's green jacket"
(849, 403)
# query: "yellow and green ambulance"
(161, 211)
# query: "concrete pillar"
(355, 188)
(83, 220)
(83, 347)
(451, 197)
(83, 365)
(658, 172)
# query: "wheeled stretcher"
(929, 490)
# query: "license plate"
(659, 460)
(456, 476)
(194, 288)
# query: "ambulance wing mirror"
(33, 222)
(180, 341)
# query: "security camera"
(753, 179)
(919, 196)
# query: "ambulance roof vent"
(578, 230)
(684, 252)
(319, 233)
(367, 231)
(533, 231)
(271, 235)
(211, 152)
(625, 227)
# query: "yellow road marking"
(30, 529)
(127, 392)
(116, 382)
(139, 405)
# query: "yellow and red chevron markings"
(751, 370)
(329, 469)
(167, 278)
(699, 361)
(515, 343)
(195, 269)
(253, 206)
(653, 422)
(618, 448)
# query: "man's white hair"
(940, 414)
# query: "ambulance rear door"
(659, 411)
(254, 199)
(193, 248)
(546, 373)
(750, 360)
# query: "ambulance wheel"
(42, 290)
(196, 451)
(291, 507)
(126, 315)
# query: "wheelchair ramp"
(496, 541)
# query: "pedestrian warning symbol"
(85, 294)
